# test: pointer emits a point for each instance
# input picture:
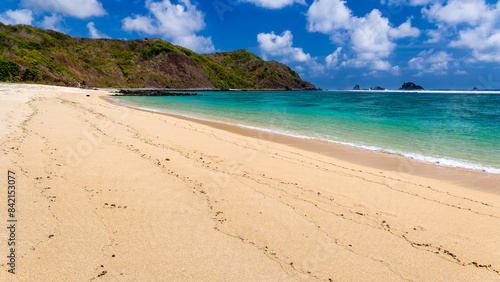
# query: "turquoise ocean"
(449, 128)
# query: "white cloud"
(457, 12)
(140, 24)
(52, 22)
(94, 33)
(196, 43)
(370, 74)
(299, 68)
(431, 62)
(484, 41)
(274, 4)
(315, 69)
(380, 65)
(396, 70)
(404, 30)
(478, 26)
(281, 46)
(75, 8)
(435, 35)
(372, 40)
(332, 60)
(178, 23)
(13, 17)
(326, 16)
(371, 37)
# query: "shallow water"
(458, 129)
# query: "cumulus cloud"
(327, 16)
(332, 60)
(371, 37)
(315, 69)
(395, 70)
(484, 41)
(467, 24)
(178, 23)
(94, 33)
(13, 17)
(274, 4)
(281, 46)
(404, 30)
(140, 24)
(75, 8)
(435, 35)
(457, 12)
(480, 31)
(52, 22)
(430, 62)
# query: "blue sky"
(332, 43)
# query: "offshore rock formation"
(411, 86)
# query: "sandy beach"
(106, 192)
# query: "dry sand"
(110, 193)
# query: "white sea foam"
(437, 160)
(275, 131)
(443, 161)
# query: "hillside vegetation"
(29, 54)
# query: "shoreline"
(473, 179)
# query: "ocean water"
(457, 129)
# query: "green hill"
(29, 54)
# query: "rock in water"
(411, 86)
(356, 87)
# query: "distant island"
(30, 54)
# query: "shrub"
(8, 70)
(13, 28)
(127, 72)
(34, 57)
(47, 41)
(33, 45)
(31, 74)
(157, 49)
(188, 52)
(122, 54)
(58, 35)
